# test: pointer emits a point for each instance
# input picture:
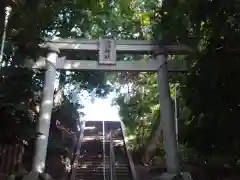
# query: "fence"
(10, 159)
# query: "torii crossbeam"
(71, 52)
(105, 55)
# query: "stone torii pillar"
(45, 114)
(167, 118)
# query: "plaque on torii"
(107, 51)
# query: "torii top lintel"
(99, 55)
(122, 46)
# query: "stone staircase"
(92, 169)
(91, 164)
(122, 172)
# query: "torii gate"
(62, 54)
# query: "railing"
(104, 149)
(10, 159)
(130, 160)
(4, 176)
(112, 159)
(77, 151)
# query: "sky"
(101, 109)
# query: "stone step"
(92, 166)
(126, 177)
(87, 165)
(90, 174)
(100, 170)
(101, 178)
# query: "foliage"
(208, 101)
(19, 98)
(207, 95)
(31, 22)
(20, 88)
(142, 110)
(210, 27)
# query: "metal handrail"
(112, 159)
(104, 149)
(77, 150)
(130, 160)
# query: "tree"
(209, 90)
(30, 23)
(21, 89)
(39, 20)
(141, 115)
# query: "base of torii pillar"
(169, 176)
(166, 176)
